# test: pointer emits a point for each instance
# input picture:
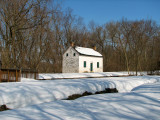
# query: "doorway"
(91, 67)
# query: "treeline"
(35, 34)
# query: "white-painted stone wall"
(70, 63)
(89, 60)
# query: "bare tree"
(18, 19)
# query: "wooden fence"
(10, 75)
(28, 73)
(14, 75)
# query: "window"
(85, 64)
(97, 64)
(67, 55)
(74, 54)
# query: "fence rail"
(28, 73)
(14, 75)
(10, 75)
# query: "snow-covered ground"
(133, 101)
(22, 94)
(80, 75)
(86, 75)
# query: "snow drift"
(16, 95)
(143, 102)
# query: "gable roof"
(87, 51)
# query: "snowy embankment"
(86, 75)
(142, 102)
(80, 75)
(16, 95)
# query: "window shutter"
(85, 64)
(97, 64)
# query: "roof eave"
(89, 55)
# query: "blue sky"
(102, 11)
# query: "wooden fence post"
(35, 75)
(19, 75)
(0, 76)
(8, 75)
(16, 76)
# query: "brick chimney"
(94, 48)
(72, 44)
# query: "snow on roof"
(87, 51)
